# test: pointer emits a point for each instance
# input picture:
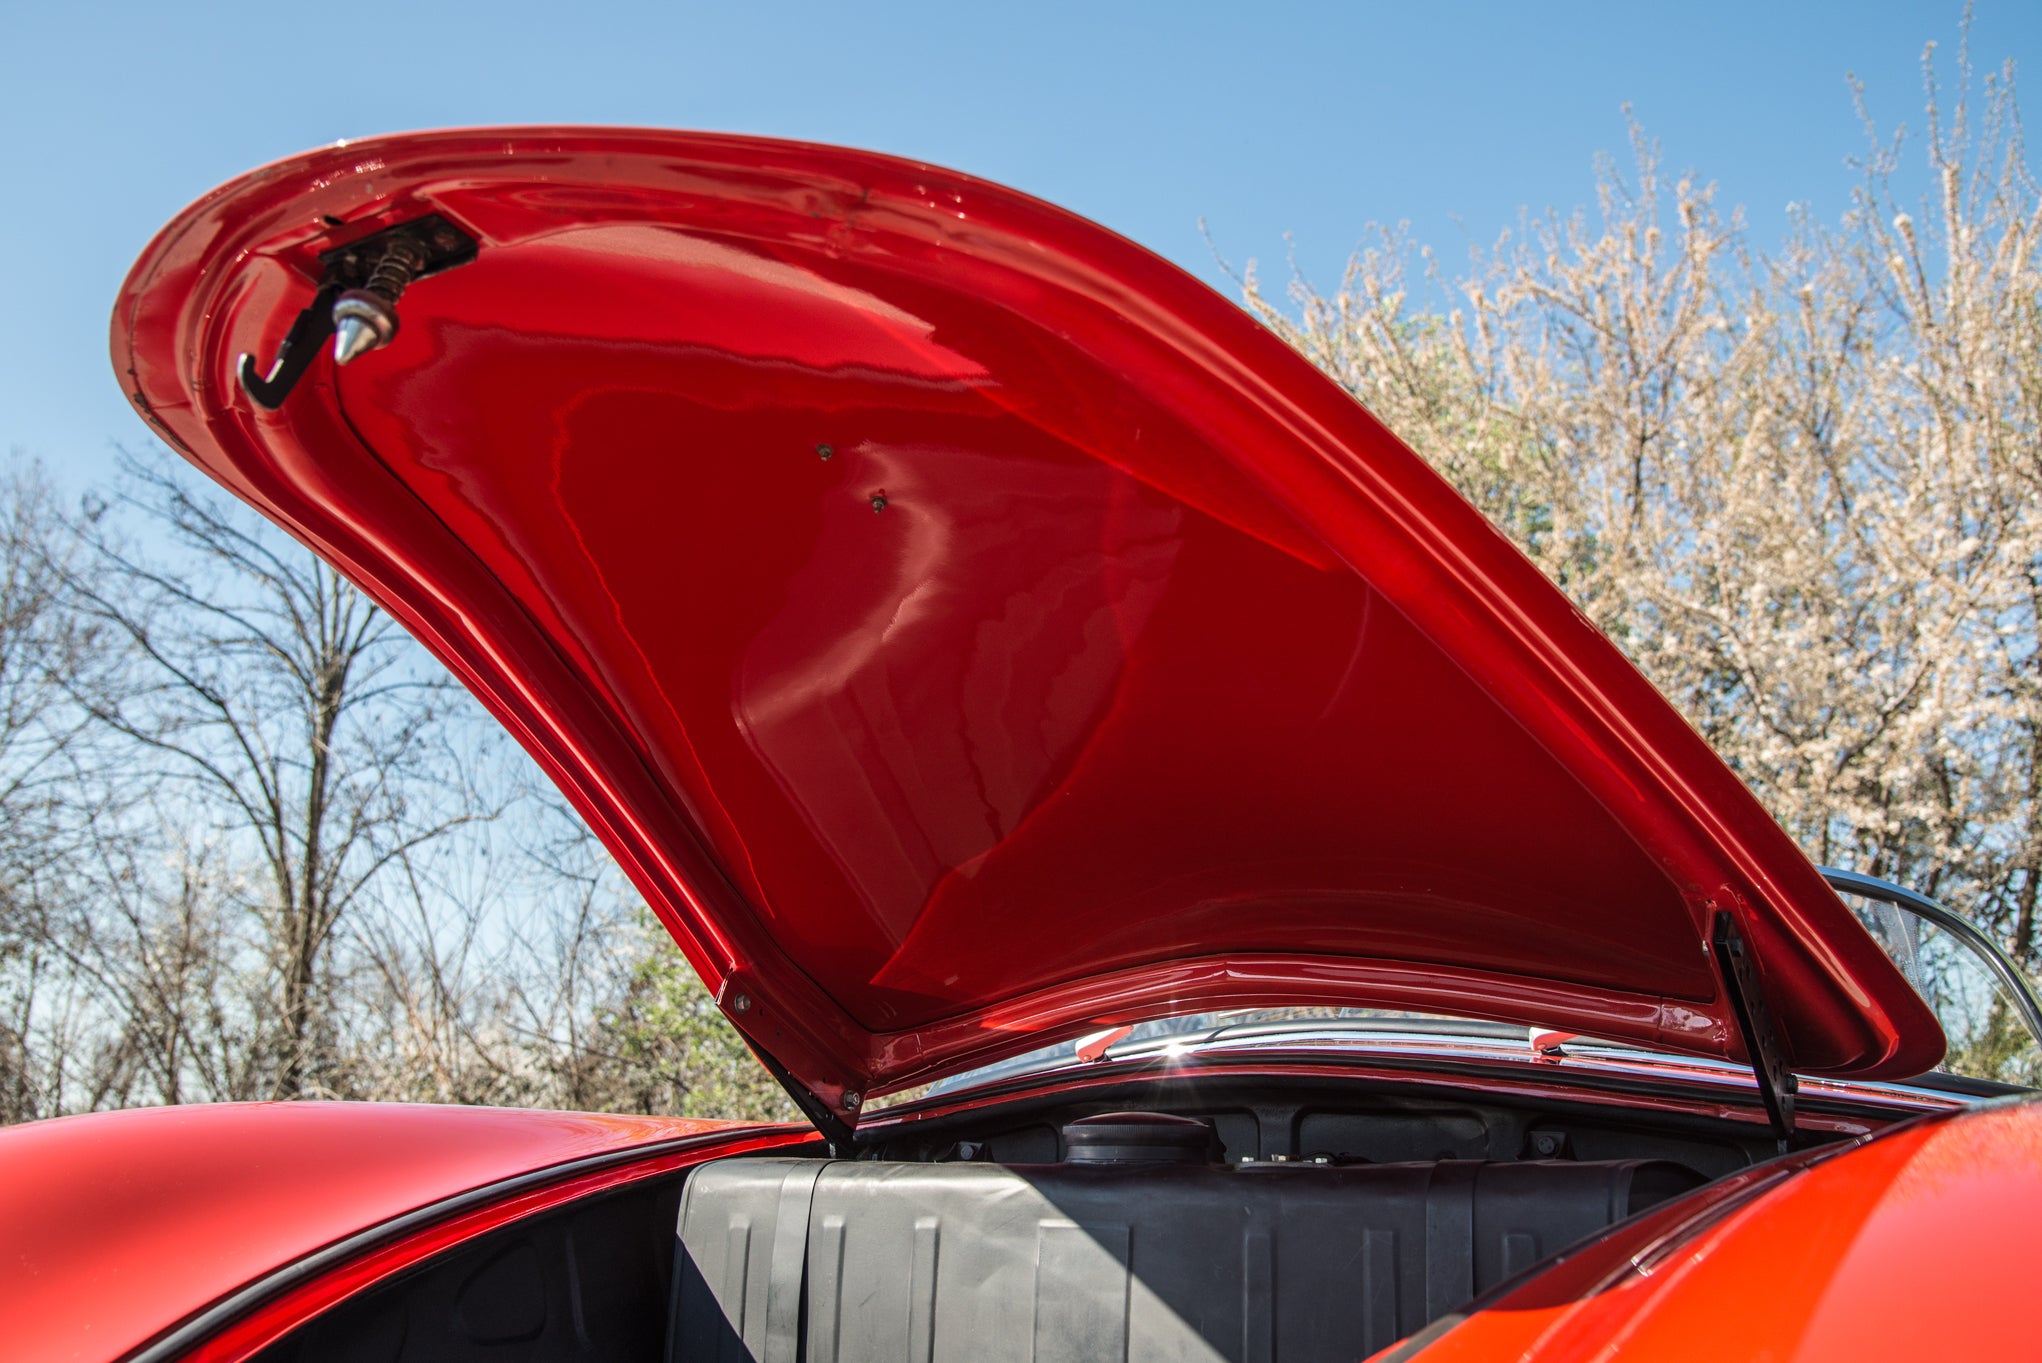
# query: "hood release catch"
(365, 319)
(357, 300)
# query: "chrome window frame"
(1958, 926)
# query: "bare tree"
(324, 748)
(46, 656)
(308, 864)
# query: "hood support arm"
(1776, 1083)
(836, 1132)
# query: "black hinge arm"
(1776, 1083)
(836, 1132)
(295, 355)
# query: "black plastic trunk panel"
(784, 1260)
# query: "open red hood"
(964, 626)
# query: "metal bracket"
(1776, 1083)
(836, 1132)
(437, 243)
(301, 344)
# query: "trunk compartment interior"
(841, 1261)
(1252, 1223)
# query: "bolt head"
(742, 1003)
(362, 321)
(851, 1102)
(878, 502)
(823, 452)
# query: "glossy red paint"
(115, 1226)
(275, 1318)
(965, 626)
(1912, 1245)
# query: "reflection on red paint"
(1914, 1245)
(117, 1225)
(1162, 674)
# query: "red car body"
(968, 632)
(118, 1225)
(120, 1228)
(1906, 1247)
(910, 580)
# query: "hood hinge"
(836, 1132)
(1776, 1083)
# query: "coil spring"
(402, 260)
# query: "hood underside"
(965, 627)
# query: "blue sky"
(1262, 119)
